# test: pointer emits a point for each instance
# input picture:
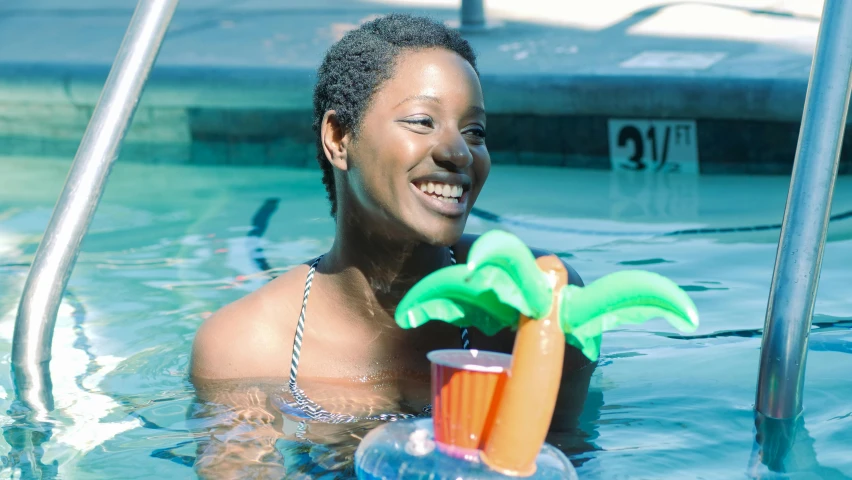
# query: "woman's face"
(419, 160)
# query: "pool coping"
(557, 94)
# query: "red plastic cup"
(465, 384)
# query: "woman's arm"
(245, 434)
(238, 425)
(239, 429)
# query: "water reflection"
(30, 430)
(785, 449)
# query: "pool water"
(171, 243)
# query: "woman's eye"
(424, 121)
(479, 132)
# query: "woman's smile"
(443, 192)
(443, 198)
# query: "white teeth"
(443, 190)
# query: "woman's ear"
(334, 140)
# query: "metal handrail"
(800, 247)
(72, 215)
(472, 13)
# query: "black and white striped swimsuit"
(311, 409)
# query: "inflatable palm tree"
(502, 286)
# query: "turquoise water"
(169, 243)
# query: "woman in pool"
(400, 123)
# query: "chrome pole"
(800, 247)
(472, 14)
(79, 199)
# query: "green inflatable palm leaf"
(458, 296)
(527, 288)
(499, 282)
(626, 297)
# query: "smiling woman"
(400, 123)
(424, 127)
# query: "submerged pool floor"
(172, 243)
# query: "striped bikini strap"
(465, 337)
(300, 326)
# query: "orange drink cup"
(465, 387)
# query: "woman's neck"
(376, 270)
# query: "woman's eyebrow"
(474, 109)
(428, 98)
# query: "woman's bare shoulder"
(252, 336)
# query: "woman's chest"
(384, 352)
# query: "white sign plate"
(660, 146)
(674, 60)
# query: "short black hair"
(357, 65)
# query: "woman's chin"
(445, 235)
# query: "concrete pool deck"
(233, 80)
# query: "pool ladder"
(60, 244)
(798, 259)
(797, 265)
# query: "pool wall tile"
(276, 137)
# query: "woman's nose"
(453, 149)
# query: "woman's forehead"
(433, 75)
